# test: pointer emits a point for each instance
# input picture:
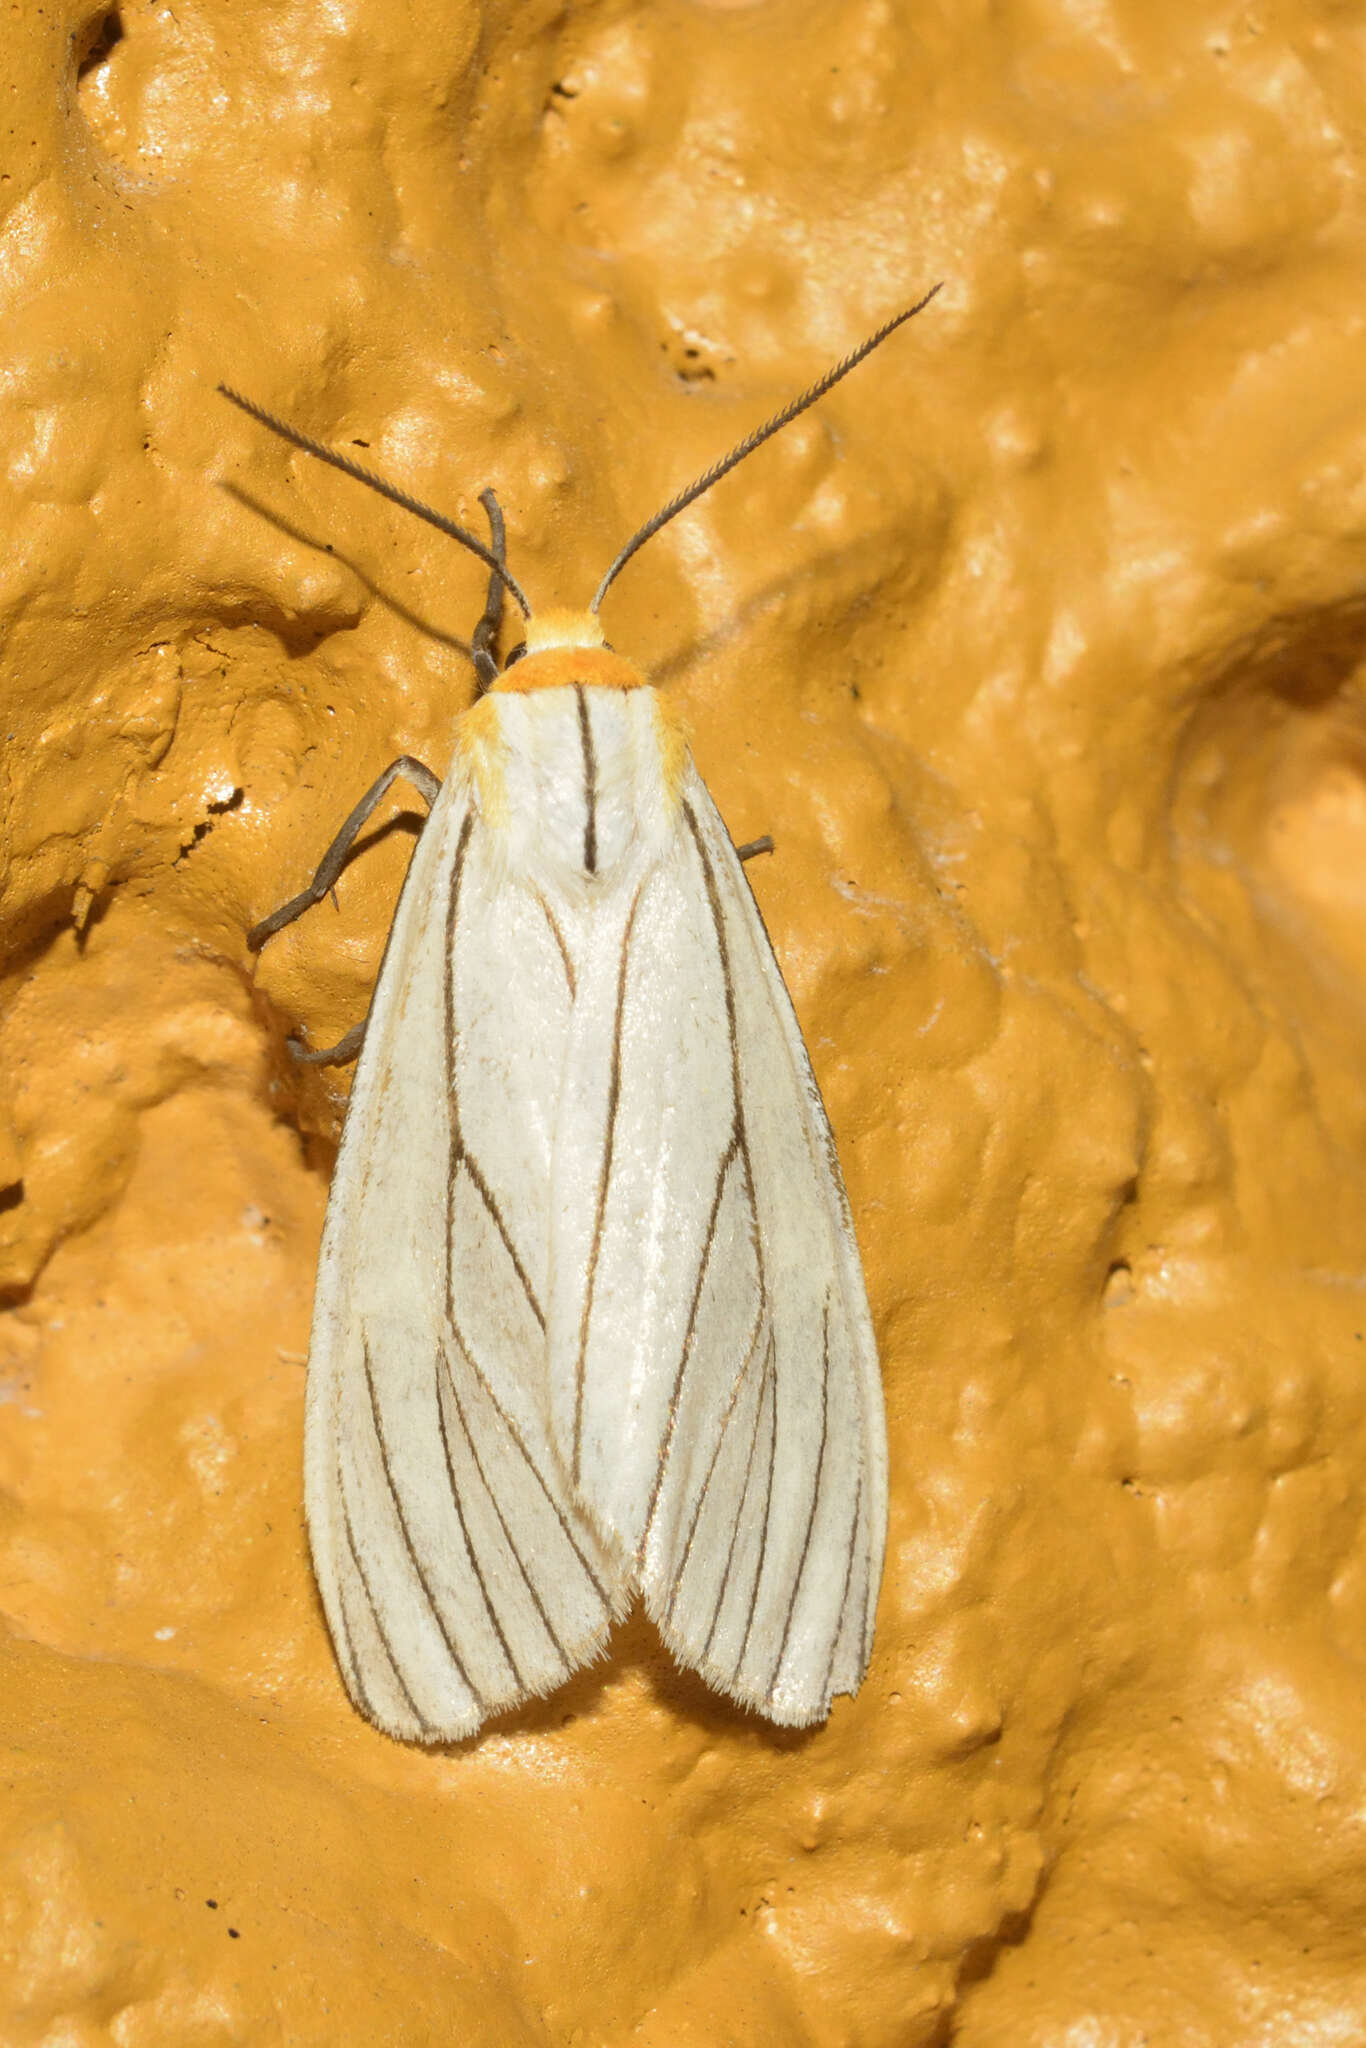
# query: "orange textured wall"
(1037, 650)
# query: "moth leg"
(424, 782)
(345, 1049)
(752, 847)
(484, 639)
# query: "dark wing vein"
(558, 936)
(604, 1182)
(380, 1629)
(815, 1494)
(768, 1509)
(728, 1158)
(844, 1591)
(765, 1382)
(863, 1611)
(737, 1148)
(489, 1608)
(518, 1441)
(347, 1647)
(408, 1544)
(590, 784)
(721, 1435)
(723, 951)
(462, 1156)
(508, 1536)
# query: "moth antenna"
(757, 439)
(386, 490)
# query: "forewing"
(457, 1575)
(715, 1377)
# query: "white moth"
(590, 1322)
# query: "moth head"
(562, 647)
(562, 626)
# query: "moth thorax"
(591, 777)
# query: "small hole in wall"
(561, 93)
(688, 359)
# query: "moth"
(590, 1322)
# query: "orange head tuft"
(564, 647)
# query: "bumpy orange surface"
(1036, 649)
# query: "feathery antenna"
(757, 439)
(386, 490)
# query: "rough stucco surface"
(1037, 651)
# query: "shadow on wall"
(1268, 804)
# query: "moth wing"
(457, 1574)
(715, 1376)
